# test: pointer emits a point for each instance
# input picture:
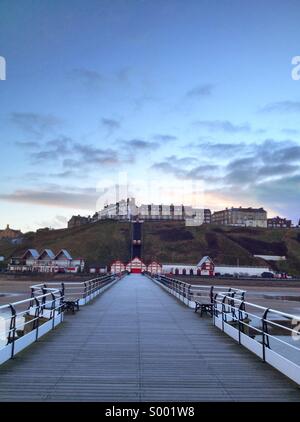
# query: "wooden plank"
(138, 343)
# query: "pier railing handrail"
(46, 302)
(191, 291)
(49, 304)
(233, 306)
(28, 300)
(285, 314)
(256, 327)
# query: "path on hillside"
(138, 343)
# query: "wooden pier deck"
(138, 343)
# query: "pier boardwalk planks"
(138, 343)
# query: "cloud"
(110, 124)
(280, 196)
(245, 165)
(82, 199)
(290, 131)
(143, 100)
(279, 169)
(58, 222)
(34, 123)
(86, 156)
(90, 79)
(220, 149)
(285, 154)
(185, 167)
(38, 157)
(181, 161)
(139, 145)
(200, 91)
(74, 156)
(27, 144)
(269, 159)
(165, 138)
(90, 154)
(240, 171)
(65, 174)
(282, 107)
(123, 75)
(223, 126)
(53, 150)
(285, 191)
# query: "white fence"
(24, 322)
(272, 335)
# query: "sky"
(183, 101)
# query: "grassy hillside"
(105, 241)
(99, 243)
(173, 242)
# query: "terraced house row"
(128, 210)
(46, 262)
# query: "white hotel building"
(127, 210)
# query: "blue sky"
(171, 92)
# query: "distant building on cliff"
(128, 210)
(278, 222)
(10, 234)
(241, 217)
(78, 220)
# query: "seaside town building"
(10, 234)
(128, 210)
(206, 267)
(78, 220)
(241, 217)
(136, 265)
(46, 262)
(278, 222)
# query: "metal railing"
(25, 321)
(194, 292)
(84, 291)
(272, 335)
(18, 319)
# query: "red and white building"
(117, 267)
(136, 265)
(154, 268)
(205, 267)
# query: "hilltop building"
(241, 217)
(78, 220)
(128, 210)
(279, 222)
(10, 234)
(122, 210)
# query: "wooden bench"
(205, 307)
(71, 305)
